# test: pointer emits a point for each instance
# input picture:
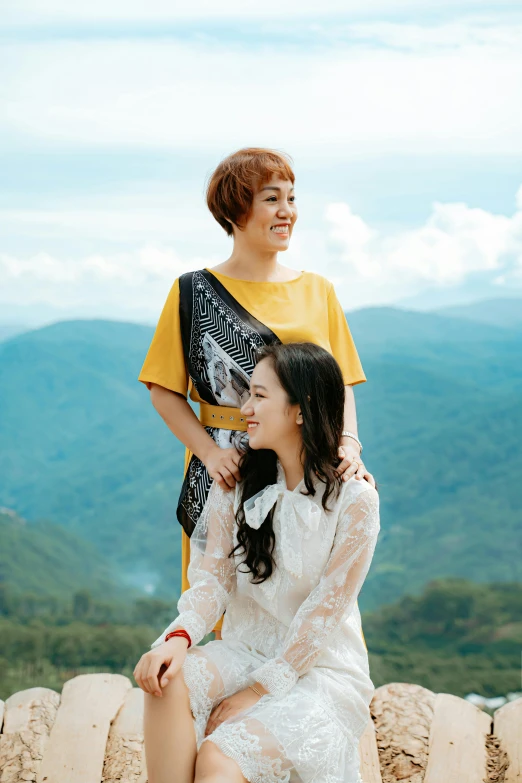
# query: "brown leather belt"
(221, 416)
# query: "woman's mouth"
(251, 425)
(281, 230)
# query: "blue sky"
(404, 121)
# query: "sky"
(403, 121)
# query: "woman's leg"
(170, 739)
(212, 766)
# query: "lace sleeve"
(211, 573)
(334, 597)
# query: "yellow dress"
(303, 309)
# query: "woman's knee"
(212, 764)
(176, 689)
(177, 684)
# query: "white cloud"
(361, 88)
(29, 12)
(459, 34)
(455, 242)
(128, 225)
(367, 265)
(121, 285)
(454, 88)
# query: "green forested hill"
(439, 416)
(48, 561)
(456, 637)
(81, 445)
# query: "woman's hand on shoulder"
(166, 658)
(223, 466)
(352, 464)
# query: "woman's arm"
(181, 420)
(330, 603)
(350, 415)
(222, 464)
(211, 573)
(349, 450)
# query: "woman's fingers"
(361, 471)
(370, 479)
(343, 466)
(228, 478)
(139, 674)
(352, 466)
(170, 673)
(234, 470)
(213, 720)
(220, 480)
(350, 471)
(347, 468)
(140, 678)
(151, 677)
(136, 674)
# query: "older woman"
(215, 319)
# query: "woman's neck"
(290, 459)
(255, 267)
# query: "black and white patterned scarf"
(220, 340)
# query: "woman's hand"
(352, 464)
(168, 656)
(231, 706)
(222, 466)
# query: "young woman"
(215, 319)
(284, 695)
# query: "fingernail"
(164, 682)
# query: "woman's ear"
(299, 417)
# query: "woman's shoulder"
(315, 279)
(350, 492)
(356, 491)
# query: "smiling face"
(272, 422)
(270, 224)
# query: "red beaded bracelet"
(179, 632)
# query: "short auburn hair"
(231, 187)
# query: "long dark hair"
(312, 379)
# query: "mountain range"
(440, 419)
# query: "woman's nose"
(246, 408)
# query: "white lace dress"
(298, 633)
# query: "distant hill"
(47, 560)
(440, 416)
(9, 330)
(497, 312)
(80, 444)
(468, 351)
